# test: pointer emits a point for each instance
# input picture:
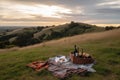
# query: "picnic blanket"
(61, 66)
(38, 65)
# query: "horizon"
(57, 12)
(99, 25)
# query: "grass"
(106, 51)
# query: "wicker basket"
(78, 60)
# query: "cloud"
(100, 21)
(91, 11)
(38, 9)
(111, 11)
(34, 19)
(110, 3)
(42, 10)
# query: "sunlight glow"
(42, 10)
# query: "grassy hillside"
(70, 29)
(32, 35)
(104, 46)
(19, 37)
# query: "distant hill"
(9, 28)
(32, 35)
(4, 29)
(18, 37)
(66, 30)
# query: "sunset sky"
(50, 12)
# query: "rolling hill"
(103, 46)
(29, 36)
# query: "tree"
(73, 24)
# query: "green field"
(105, 50)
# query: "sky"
(55, 12)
